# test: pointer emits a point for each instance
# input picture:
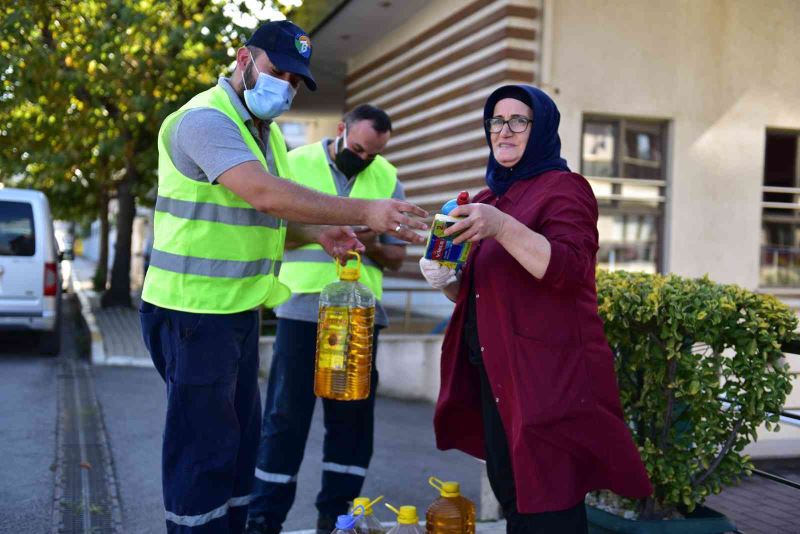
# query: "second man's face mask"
(269, 97)
(348, 161)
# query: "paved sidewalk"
(119, 328)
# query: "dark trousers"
(209, 363)
(501, 478)
(347, 448)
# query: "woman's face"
(508, 146)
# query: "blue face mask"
(269, 97)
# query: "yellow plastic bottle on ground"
(407, 520)
(451, 513)
(367, 523)
(344, 337)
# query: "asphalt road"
(28, 404)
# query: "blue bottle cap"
(345, 522)
(449, 206)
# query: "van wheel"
(50, 343)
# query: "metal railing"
(412, 309)
(787, 417)
(790, 419)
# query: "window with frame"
(625, 161)
(780, 211)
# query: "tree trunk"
(101, 274)
(119, 293)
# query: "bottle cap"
(345, 522)
(450, 205)
(446, 489)
(350, 274)
(406, 515)
(366, 504)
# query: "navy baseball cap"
(288, 48)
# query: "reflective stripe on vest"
(212, 251)
(212, 268)
(309, 269)
(205, 211)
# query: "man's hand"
(368, 237)
(387, 256)
(389, 217)
(338, 241)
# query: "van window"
(17, 237)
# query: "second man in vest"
(348, 166)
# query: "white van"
(30, 279)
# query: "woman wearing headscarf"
(528, 378)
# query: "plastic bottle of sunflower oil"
(344, 337)
(407, 520)
(346, 524)
(367, 523)
(450, 513)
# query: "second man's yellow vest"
(308, 269)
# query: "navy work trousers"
(290, 402)
(209, 363)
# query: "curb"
(98, 351)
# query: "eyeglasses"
(515, 124)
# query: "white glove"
(438, 276)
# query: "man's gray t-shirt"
(204, 142)
(305, 306)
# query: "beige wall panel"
(722, 72)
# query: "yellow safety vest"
(308, 269)
(212, 251)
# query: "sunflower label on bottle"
(332, 336)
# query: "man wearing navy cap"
(220, 225)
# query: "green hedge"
(680, 346)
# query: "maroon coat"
(546, 356)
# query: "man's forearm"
(291, 201)
(298, 234)
(299, 204)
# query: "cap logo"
(303, 45)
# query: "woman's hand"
(482, 221)
(437, 275)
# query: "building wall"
(432, 75)
(721, 72)
(312, 127)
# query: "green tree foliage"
(683, 348)
(85, 87)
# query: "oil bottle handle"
(376, 501)
(392, 508)
(436, 483)
(350, 253)
(359, 507)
